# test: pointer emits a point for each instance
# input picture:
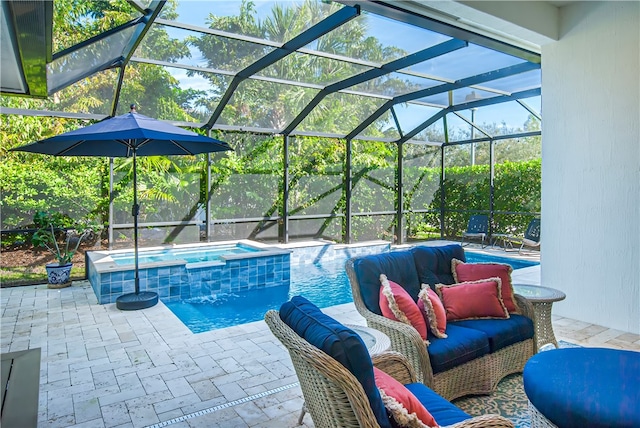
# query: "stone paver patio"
(101, 367)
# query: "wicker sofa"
(336, 373)
(476, 355)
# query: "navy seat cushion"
(338, 341)
(433, 264)
(579, 387)
(462, 345)
(501, 333)
(442, 410)
(398, 266)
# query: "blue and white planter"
(59, 276)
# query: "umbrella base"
(135, 301)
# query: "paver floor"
(102, 367)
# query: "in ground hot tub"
(179, 272)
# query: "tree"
(270, 105)
(33, 182)
(248, 182)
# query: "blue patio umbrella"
(128, 135)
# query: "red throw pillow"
(473, 300)
(397, 304)
(405, 408)
(465, 272)
(433, 310)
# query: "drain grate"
(223, 406)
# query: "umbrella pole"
(136, 300)
(135, 210)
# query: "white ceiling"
(526, 24)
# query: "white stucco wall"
(538, 17)
(591, 164)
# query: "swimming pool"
(323, 283)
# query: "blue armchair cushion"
(461, 346)
(433, 264)
(501, 333)
(338, 341)
(442, 410)
(398, 266)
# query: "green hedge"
(517, 190)
(248, 182)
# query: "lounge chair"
(478, 227)
(531, 237)
(335, 396)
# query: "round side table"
(541, 299)
(375, 340)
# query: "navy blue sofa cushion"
(462, 345)
(442, 410)
(398, 266)
(579, 387)
(338, 341)
(433, 264)
(501, 333)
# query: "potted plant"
(62, 238)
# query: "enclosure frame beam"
(347, 186)
(399, 197)
(284, 232)
(492, 176)
(323, 27)
(404, 62)
(445, 87)
(154, 11)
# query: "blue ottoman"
(583, 387)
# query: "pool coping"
(100, 258)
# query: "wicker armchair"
(333, 396)
(479, 376)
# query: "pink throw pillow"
(405, 408)
(397, 304)
(465, 272)
(433, 310)
(473, 300)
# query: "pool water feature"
(325, 283)
(189, 271)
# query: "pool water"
(190, 255)
(211, 313)
(325, 284)
(486, 258)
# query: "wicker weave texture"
(541, 300)
(544, 326)
(334, 397)
(509, 360)
(538, 420)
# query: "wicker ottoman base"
(538, 420)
